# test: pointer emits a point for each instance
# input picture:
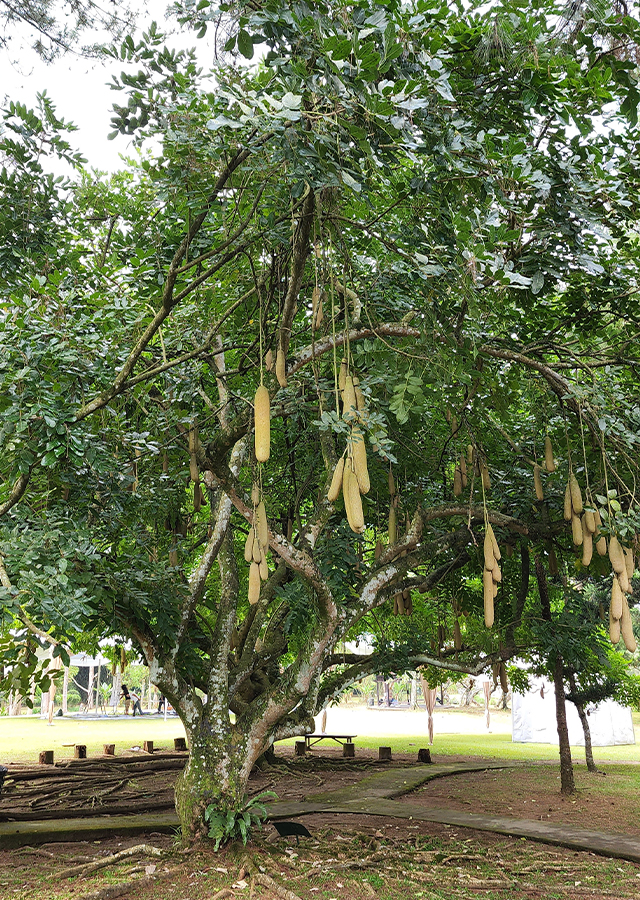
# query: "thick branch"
(297, 559)
(558, 384)
(298, 261)
(17, 491)
(319, 348)
(198, 578)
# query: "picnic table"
(342, 739)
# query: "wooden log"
(46, 758)
(424, 755)
(179, 743)
(300, 748)
(349, 750)
(109, 750)
(148, 746)
(80, 751)
(384, 754)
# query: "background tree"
(436, 185)
(53, 28)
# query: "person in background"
(127, 699)
(161, 703)
(137, 706)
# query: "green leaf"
(350, 181)
(245, 44)
(537, 282)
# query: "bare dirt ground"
(607, 802)
(347, 858)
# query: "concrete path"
(371, 796)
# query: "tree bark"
(90, 688)
(584, 721)
(567, 783)
(216, 773)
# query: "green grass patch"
(23, 737)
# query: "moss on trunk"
(216, 773)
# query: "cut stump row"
(46, 757)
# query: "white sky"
(78, 89)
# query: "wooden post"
(300, 748)
(180, 743)
(46, 758)
(349, 750)
(424, 755)
(148, 746)
(384, 754)
(80, 751)
(109, 750)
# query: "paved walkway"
(372, 796)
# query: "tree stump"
(384, 754)
(349, 750)
(300, 748)
(424, 755)
(80, 751)
(46, 758)
(109, 750)
(180, 743)
(148, 746)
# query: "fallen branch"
(93, 866)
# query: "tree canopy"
(438, 202)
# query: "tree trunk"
(98, 692)
(216, 773)
(413, 702)
(584, 721)
(90, 688)
(115, 690)
(567, 783)
(65, 691)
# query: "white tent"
(533, 717)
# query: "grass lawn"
(22, 738)
(492, 745)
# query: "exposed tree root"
(96, 864)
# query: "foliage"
(231, 824)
